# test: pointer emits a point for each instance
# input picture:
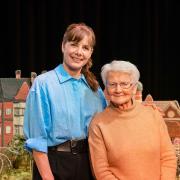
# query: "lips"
(119, 95)
(77, 60)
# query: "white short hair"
(120, 66)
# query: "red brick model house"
(13, 93)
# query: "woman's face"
(120, 89)
(76, 55)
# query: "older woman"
(129, 141)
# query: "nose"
(79, 51)
(118, 88)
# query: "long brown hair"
(76, 32)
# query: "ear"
(106, 94)
(91, 53)
(92, 50)
(62, 47)
(135, 88)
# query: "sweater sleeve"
(98, 154)
(167, 152)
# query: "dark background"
(143, 32)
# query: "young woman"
(59, 108)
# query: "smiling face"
(76, 55)
(120, 89)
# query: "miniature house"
(13, 93)
(171, 114)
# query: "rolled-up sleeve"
(37, 118)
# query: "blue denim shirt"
(58, 108)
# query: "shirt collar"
(84, 80)
(63, 76)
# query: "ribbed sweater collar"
(133, 111)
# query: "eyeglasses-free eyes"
(123, 85)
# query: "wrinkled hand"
(154, 106)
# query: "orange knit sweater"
(131, 144)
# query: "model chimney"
(18, 74)
(33, 76)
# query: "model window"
(8, 129)
(16, 111)
(17, 129)
(8, 111)
(19, 112)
